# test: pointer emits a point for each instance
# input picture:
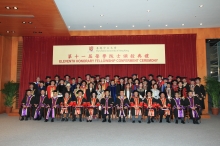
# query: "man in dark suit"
(120, 86)
(89, 91)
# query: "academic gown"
(200, 91)
(147, 110)
(122, 103)
(193, 102)
(178, 103)
(162, 112)
(106, 103)
(30, 104)
(39, 101)
(92, 110)
(61, 89)
(138, 103)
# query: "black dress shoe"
(176, 121)
(148, 122)
(124, 121)
(22, 119)
(133, 121)
(160, 121)
(168, 121)
(182, 122)
(87, 120)
(46, 120)
(90, 120)
(119, 120)
(26, 118)
(104, 120)
(152, 120)
(63, 119)
(139, 121)
(66, 119)
(39, 118)
(80, 120)
(109, 120)
(52, 120)
(73, 119)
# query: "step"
(13, 114)
(15, 110)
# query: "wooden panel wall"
(8, 63)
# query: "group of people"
(102, 97)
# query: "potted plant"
(10, 91)
(213, 89)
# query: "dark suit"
(119, 88)
(88, 93)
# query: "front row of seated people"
(45, 107)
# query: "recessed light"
(148, 10)
(200, 24)
(116, 26)
(100, 26)
(7, 31)
(132, 25)
(201, 6)
(148, 25)
(84, 26)
(68, 26)
(30, 22)
(7, 7)
(23, 22)
(183, 24)
(15, 8)
(101, 15)
(166, 25)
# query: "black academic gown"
(110, 104)
(32, 101)
(173, 103)
(196, 104)
(200, 91)
(61, 89)
(119, 104)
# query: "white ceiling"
(133, 14)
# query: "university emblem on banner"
(90, 48)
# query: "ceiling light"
(7, 7)
(132, 25)
(100, 26)
(148, 10)
(84, 26)
(201, 6)
(30, 22)
(166, 25)
(148, 25)
(116, 26)
(13, 31)
(15, 8)
(23, 22)
(68, 26)
(101, 15)
(200, 24)
(7, 31)
(182, 24)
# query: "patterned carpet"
(38, 133)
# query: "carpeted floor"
(38, 133)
